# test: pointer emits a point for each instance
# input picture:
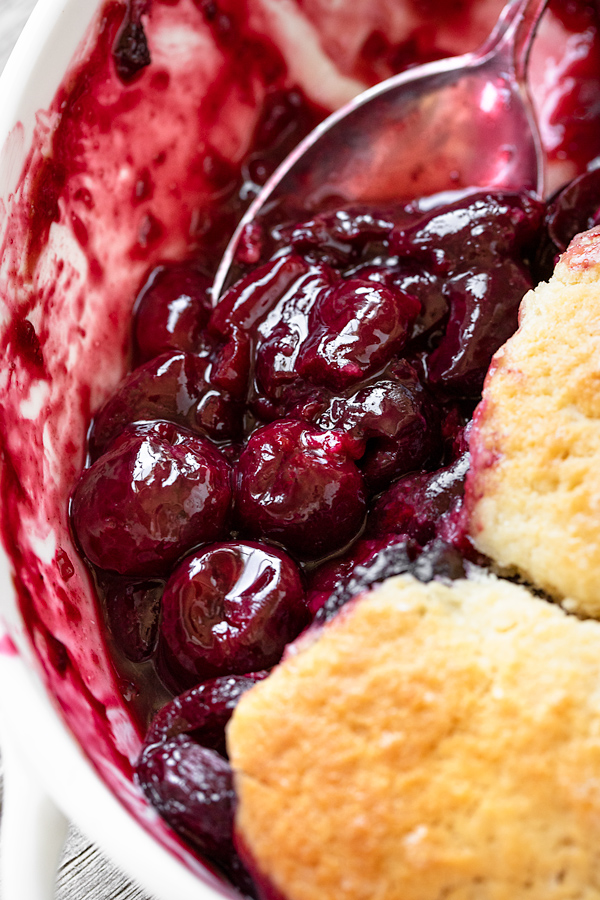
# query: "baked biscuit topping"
(534, 485)
(433, 741)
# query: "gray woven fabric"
(84, 873)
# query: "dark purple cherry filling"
(354, 329)
(421, 505)
(230, 608)
(175, 387)
(319, 408)
(203, 711)
(183, 770)
(192, 789)
(237, 315)
(343, 366)
(131, 53)
(171, 311)
(339, 238)
(371, 561)
(157, 492)
(394, 418)
(132, 613)
(480, 249)
(297, 485)
(281, 337)
(575, 208)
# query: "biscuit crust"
(533, 491)
(434, 741)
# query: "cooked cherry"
(337, 238)
(172, 310)
(439, 559)
(575, 208)
(296, 484)
(253, 297)
(367, 563)
(283, 334)
(371, 561)
(470, 231)
(156, 493)
(484, 308)
(192, 789)
(418, 282)
(354, 329)
(175, 387)
(480, 247)
(420, 504)
(203, 711)
(394, 417)
(131, 53)
(230, 608)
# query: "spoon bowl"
(453, 124)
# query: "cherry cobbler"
(271, 458)
(267, 460)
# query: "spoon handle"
(513, 35)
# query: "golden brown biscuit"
(533, 491)
(434, 742)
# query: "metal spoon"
(455, 123)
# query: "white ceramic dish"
(48, 776)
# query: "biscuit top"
(533, 492)
(434, 741)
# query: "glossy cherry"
(354, 329)
(420, 504)
(192, 788)
(175, 387)
(156, 492)
(230, 608)
(171, 310)
(393, 417)
(575, 208)
(479, 246)
(297, 485)
(203, 711)
(132, 613)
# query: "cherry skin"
(354, 329)
(202, 712)
(171, 310)
(297, 485)
(171, 487)
(478, 246)
(230, 608)
(132, 611)
(282, 336)
(575, 208)
(336, 238)
(394, 418)
(176, 387)
(421, 504)
(192, 789)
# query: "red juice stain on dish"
(575, 115)
(7, 646)
(63, 186)
(76, 102)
